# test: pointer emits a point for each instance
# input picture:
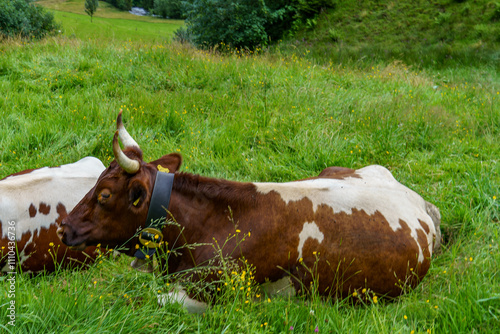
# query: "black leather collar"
(157, 213)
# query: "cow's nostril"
(60, 232)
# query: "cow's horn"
(131, 166)
(125, 137)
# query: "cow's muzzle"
(62, 233)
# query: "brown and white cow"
(32, 204)
(362, 228)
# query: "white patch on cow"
(282, 287)
(178, 295)
(374, 190)
(66, 184)
(309, 230)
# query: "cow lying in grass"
(32, 204)
(357, 228)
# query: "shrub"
(168, 9)
(248, 24)
(285, 14)
(239, 23)
(22, 18)
(181, 35)
(306, 11)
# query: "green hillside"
(422, 32)
(109, 23)
(105, 10)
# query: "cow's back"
(371, 229)
(31, 205)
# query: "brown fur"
(40, 259)
(358, 251)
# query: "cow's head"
(117, 206)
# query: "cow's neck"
(196, 198)
(205, 208)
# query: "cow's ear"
(137, 194)
(171, 162)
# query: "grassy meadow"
(266, 117)
(438, 33)
(109, 23)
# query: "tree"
(246, 23)
(91, 7)
(168, 8)
(236, 23)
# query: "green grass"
(105, 10)
(109, 24)
(270, 117)
(104, 29)
(425, 33)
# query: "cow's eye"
(103, 196)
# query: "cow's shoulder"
(88, 167)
